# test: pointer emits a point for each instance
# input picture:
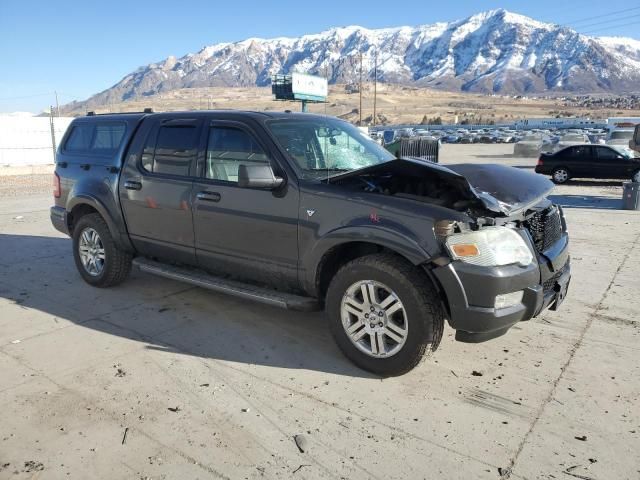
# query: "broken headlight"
(490, 247)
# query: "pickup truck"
(306, 212)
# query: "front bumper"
(59, 219)
(471, 291)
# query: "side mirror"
(258, 176)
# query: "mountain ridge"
(490, 52)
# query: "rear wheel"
(100, 262)
(384, 314)
(560, 175)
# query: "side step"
(231, 287)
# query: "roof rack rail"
(93, 114)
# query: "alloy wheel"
(374, 318)
(91, 251)
(561, 175)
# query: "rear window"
(96, 138)
(172, 151)
(622, 135)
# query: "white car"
(620, 137)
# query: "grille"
(548, 285)
(545, 228)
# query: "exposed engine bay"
(430, 189)
(497, 189)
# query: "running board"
(231, 287)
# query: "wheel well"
(336, 257)
(77, 213)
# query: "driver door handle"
(132, 185)
(209, 196)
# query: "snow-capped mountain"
(494, 51)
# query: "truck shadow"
(39, 273)
(587, 201)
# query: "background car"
(589, 161)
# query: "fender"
(390, 239)
(121, 238)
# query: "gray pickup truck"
(307, 212)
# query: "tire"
(560, 175)
(420, 316)
(636, 177)
(115, 264)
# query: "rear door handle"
(209, 196)
(132, 185)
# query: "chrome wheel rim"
(91, 251)
(561, 176)
(374, 319)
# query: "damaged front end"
(505, 265)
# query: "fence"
(28, 141)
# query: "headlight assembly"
(490, 247)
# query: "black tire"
(558, 178)
(424, 311)
(117, 263)
(636, 177)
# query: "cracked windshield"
(327, 146)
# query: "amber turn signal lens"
(465, 250)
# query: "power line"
(613, 20)
(601, 16)
(610, 27)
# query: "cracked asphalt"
(155, 379)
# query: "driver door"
(612, 164)
(247, 233)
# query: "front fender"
(402, 244)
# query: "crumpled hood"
(501, 189)
(504, 189)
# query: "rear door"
(247, 233)
(156, 188)
(612, 164)
(580, 160)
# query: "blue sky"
(81, 47)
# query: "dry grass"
(397, 104)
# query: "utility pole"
(53, 132)
(375, 85)
(57, 104)
(360, 89)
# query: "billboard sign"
(309, 87)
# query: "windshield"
(327, 146)
(622, 135)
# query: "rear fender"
(120, 237)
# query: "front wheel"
(560, 175)
(384, 314)
(98, 259)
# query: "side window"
(79, 138)
(95, 138)
(171, 151)
(581, 152)
(606, 154)
(227, 149)
(108, 136)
